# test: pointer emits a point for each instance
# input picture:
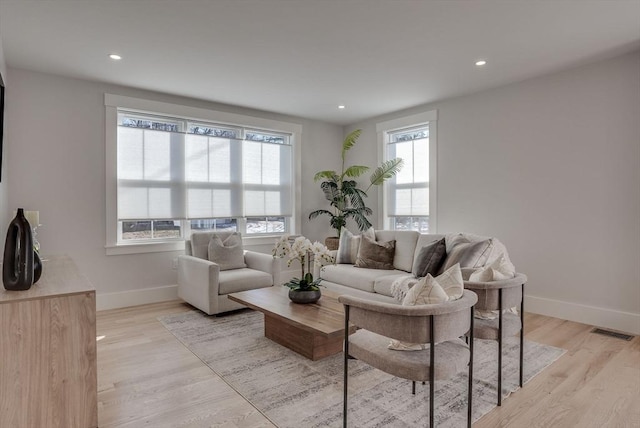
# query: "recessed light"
(341, 107)
(115, 57)
(481, 62)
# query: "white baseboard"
(123, 299)
(600, 317)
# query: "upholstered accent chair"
(439, 325)
(500, 296)
(204, 285)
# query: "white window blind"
(177, 169)
(267, 179)
(408, 192)
(150, 169)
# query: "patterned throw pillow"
(375, 255)
(229, 253)
(429, 259)
(444, 288)
(500, 269)
(467, 254)
(349, 245)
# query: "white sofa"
(202, 284)
(375, 283)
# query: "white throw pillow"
(349, 245)
(229, 253)
(500, 269)
(446, 287)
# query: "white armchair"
(202, 284)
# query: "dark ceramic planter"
(308, 296)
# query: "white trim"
(145, 247)
(113, 102)
(124, 299)
(195, 113)
(428, 117)
(407, 121)
(601, 317)
(433, 177)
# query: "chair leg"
(432, 369)
(522, 338)
(500, 347)
(413, 387)
(346, 365)
(470, 398)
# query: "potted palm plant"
(346, 198)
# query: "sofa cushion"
(405, 246)
(354, 277)
(228, 253)
(384, 284)
(235, 280)
(375, 255)
(349, 245)
(429, 258)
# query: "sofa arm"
(317, 271)
(263, 262)
(198, 282)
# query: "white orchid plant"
(307, 254)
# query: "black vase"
(37, 266)
(17, 267)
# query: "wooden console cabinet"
(48, 373)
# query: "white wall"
(57, 153)
(551, 166)
(4, 193)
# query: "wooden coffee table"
(314, 330)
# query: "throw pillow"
(349, 245)
(376, 255)
(468, 254)
(500, 269)
(429, 259)
(444, 288)
(229, 253)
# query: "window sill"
(145, 247)
(167, 246)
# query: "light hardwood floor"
(146, 377)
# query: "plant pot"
(304, 296)
(332, 242)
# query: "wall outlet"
(174, 263)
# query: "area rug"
(295, 392)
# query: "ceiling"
(305, 57)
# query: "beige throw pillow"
(350, 244)
(375, 255)
(500, 269)
(444, 288)
(229, 253)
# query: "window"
(409, 197)
(171, 174)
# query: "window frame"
(148, 107)
(383, 129)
